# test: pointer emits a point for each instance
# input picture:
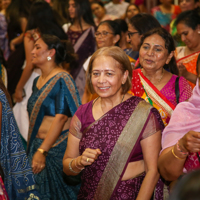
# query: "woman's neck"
(79, 25)
(166, 8)
(123, 43)
(47, 70)
(155, 76)
(192, 50)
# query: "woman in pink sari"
(111, 138)
(156, 81)
(181, 138)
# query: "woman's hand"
(18, 96)
(190, 142)
(88, 157)
(12, 45)
(182, 70)
(38, 162)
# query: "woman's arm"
(187, 75)
(150, 147)
(72, 157)
(19, 39)
(28, 45)
(38, 161)
(171, 167)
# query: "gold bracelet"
(42, 151)
(176, 155)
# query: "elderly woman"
(52, 104)
(180, 141)
(156, 81)
(188, 27)
(115, 123)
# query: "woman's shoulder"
(83, 110)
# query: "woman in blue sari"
(18, 175)
(53, 102)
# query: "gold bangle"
(42, 151)
(176, 155)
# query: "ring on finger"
(88, 159)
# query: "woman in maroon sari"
(115, 139)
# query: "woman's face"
(72, 9)
(106, 37)
(40, 52)
(188, 5)
(98, 11)
(107, 77)
(5, 3)
(131, 11)
(134, 38)
(153, 55)
(189, 36)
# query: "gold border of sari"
(156, 98)
(43, 96)
(122, 151)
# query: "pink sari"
(185, 117)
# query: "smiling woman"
(155, 81)
(103, 128)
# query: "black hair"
(198, 65)
(143, 22)
(187, 188)
(16, 10)
(42, 18)
(98, 2)
(169, 45)
(60, 6)
(53, 42)
(190, 18)
(122, 24)
(83, 10)
(114, 26)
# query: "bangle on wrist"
(176, 155)
(78, 167)
(70, 167)
(178, 148)
(42, 151)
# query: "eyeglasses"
(102, 34)
(130, 34)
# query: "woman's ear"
(52, 52)
(116, 39)
(125, 76)
(169, 57)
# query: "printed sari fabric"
(165, 99)
(189, 61)
(58, 96)
(84, 46)
(165, 18)
(18, 176)
(119, 143)
(186, 117)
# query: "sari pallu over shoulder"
(18, 176)
(37, 114)
(146, 90)
(117, 134)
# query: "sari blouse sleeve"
(185, 89)
(75, 125)
(153, 125)
(61, 104)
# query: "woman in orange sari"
(155, 81)
(188, 27)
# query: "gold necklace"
(158, 81)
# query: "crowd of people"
(99, 100)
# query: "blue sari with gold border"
(58, 96)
